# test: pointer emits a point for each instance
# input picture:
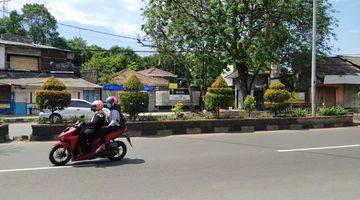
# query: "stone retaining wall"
(165, 128)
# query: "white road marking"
(318, 148)
(33, 169)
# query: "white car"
(77, 108)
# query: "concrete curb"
(166, 128)
(4, 133)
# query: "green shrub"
(2, 119)
(332, 111)
(178, 109)
(132, 100)
(53, 84)
(242, 114)
(249, 104)
(276, 98)
(134, 103)
(224, 91)
(133, 83)
(265, 114)
(52, 96)
(299, 112)
(219, 83)
(219, 96)
(214, 102)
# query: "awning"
(342, 79)
(37, 82)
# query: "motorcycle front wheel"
(59, 155)
(117, 153)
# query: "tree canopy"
(249, 34)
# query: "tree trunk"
(243, 78)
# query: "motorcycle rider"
(115, 120)
(90, 129)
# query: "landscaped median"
(4, 133)
(46, 132)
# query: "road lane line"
(318, 148)
(33, 169)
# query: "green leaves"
(248, 34)
(53, 95)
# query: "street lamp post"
(313, 63)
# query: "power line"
(90, 30)
(100, 32)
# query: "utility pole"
(313, 63)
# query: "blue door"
(89, 95)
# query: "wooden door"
(327, 96)
(24, 63)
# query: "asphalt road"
(310, 164)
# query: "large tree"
(249, 34)
(42, 26)
(13, 24)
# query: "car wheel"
(55, 118)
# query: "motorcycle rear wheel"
(119, 153)
(59, 155)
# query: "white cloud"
(121, 16)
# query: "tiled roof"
(36, 79)
(122, 76)
(155, 72)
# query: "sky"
(124, 17)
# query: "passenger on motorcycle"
(115, 119)
(90, 129)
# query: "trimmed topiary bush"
(52, 96)
(249, 104)
(133, 83)
(276, 98)
(132, 100)
(219, 96)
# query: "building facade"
(24, 66)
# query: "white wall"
(2, 57)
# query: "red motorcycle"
(63, 150)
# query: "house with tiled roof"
(155, 72)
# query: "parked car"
(77, 108)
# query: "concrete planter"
(4, 133)
(165, 128)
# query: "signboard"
(173, 85)
(180, 95)
(113, 87)
(297, 97)
(149, 88)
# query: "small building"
(24, 66)
(338, 82)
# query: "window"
(72, 104)
(82, 104)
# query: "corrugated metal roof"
(36, 79)
(31, 45)
(336, 66)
